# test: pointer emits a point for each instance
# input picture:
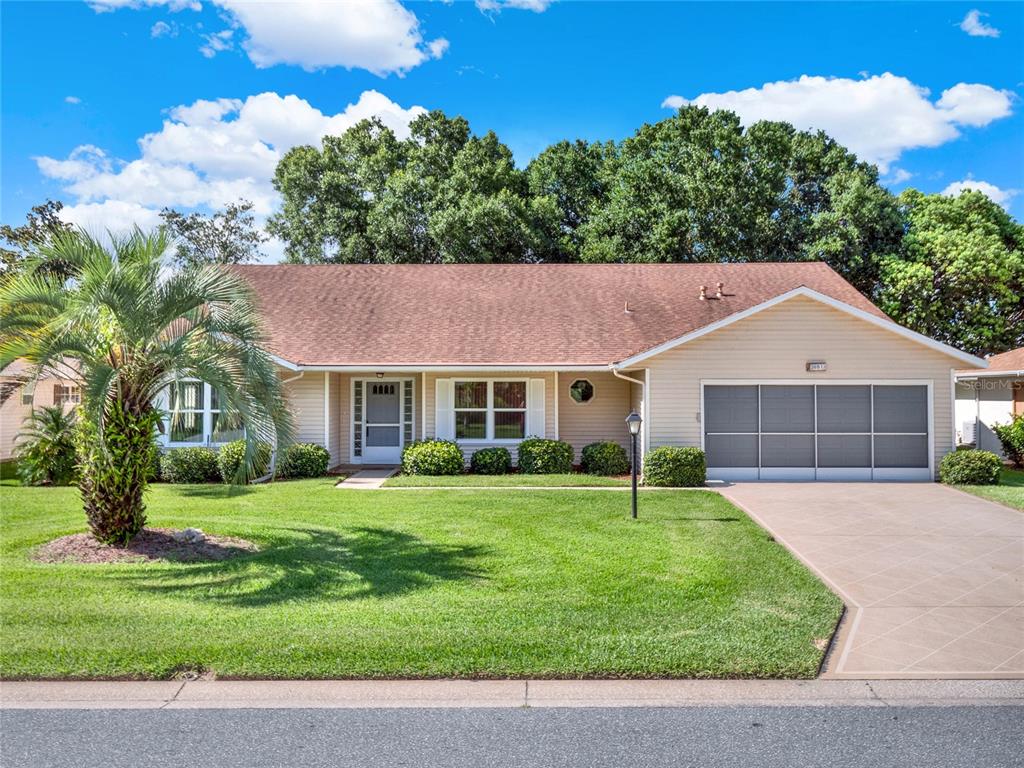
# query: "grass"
(427, 584)
(575, 479)
(1010, 490)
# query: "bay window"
(490, 410)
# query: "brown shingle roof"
(494, 314)
(1007, 361)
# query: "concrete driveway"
(933, 578)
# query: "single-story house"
(991, 396)
(22, 390)
(778, 371)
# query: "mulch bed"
(151, 545)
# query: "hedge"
(538, 456)
(303, 460)
(189, 465)
(970, 468)
(491, 461)
(605, 458)
(432, 457)
(1012, 438)
(675, 467)
(231, 456)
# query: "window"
(66, 393)
(581, 391)
(490, 410)
(186, 404)
(225, 424)
(27, 396)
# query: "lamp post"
(633, 421)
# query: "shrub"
(45, 447)
(538, 456)
(303, 460)
(676, 467)
(1012, 438)
(970, 468)
(231, 456)
(189, 465)
(432, 457)
(605, 458)
(491, 461)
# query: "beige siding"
(13, 413)
(306, 396)
(603, 418)
(776, 344)
(549, 402)
(340, 421)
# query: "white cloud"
(975, 27)
(381, 36)
(537, 6)
(206, 154)
(994, 193)
(217, 42)
(878, 117)
(898, 176)
(163, 29)
(114, 216)
(72, 100)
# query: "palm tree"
(129, 329)
(45, 447)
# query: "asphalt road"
(749, 737)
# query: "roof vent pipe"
(720, 293)
(626, 309)
(703, 292)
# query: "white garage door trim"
(784, 473)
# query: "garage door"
(817, 432)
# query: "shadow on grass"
(319, 565)
(214, 490)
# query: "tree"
(227, 237)
(959, 273)
(131, 331)
(442, 195)
(23, 242)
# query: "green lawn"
(426, 584)
(1010, 490)
(575, 479)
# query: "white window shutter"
(535, 406)
(444, 409)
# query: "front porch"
(364, 419)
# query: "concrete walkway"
(367, 479)
(933, 578)
(234, 694)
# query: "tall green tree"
(132, 330)
(959, 273)
(229, 236)
(23, 243)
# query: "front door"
(382, 430)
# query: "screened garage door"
(817, 432)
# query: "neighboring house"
(779, 371)
(21, 391)
(992, 396)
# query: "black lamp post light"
(633, 421)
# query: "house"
(22, 390)
(778, 371)
(992, 396)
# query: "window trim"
(490, 411)
(67, 394)
(593, 391)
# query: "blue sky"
(123, 106)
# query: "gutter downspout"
(273, 454)
(643, 402)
